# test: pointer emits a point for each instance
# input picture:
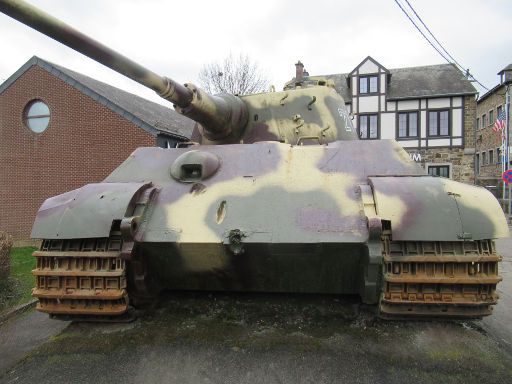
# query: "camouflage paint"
(292, 201)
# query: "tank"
(275, 193)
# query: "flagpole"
(507, 166)
(504, 165)
(504, 155)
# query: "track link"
(439, 279)
(81, 277)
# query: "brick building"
(489, 149)
(429, 110)
(60, 130)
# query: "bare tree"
(235, 75)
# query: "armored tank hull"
(271, 217)
(277, 195)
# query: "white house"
(429, 110)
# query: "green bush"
(17, 287)
(5, 249)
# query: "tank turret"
(292, 117)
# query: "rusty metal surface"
(438, 288)
(75, 254)
(67, 283)
(92, 294)
(64, 306)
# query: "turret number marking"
(343, 114)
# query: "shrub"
(5, 249)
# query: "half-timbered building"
(429, 110)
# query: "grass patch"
(17, 288)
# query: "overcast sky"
(176, 38)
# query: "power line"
(437, 41)
(431, 34)
(420, 31)
(443, 48)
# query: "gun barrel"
(222, 117)
(65, 34)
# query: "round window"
(37, 116)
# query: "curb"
(9, 314)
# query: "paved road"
(219, 338)
(22, 334)
(499, 324)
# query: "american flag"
(499, 125)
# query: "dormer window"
(368, 84)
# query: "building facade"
(60, 130)
(491, 107)
(429, 110)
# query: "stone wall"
(487, 139)
(489, 172)
(462, 165)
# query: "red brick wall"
(84, 142)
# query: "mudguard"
(85, 212)
(426, 208)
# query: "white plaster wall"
(457, 101)
(457, 141)
(368, 104)
(354, 85)
(408, 143)
(368, 67)
(383, 83)
(354, 104)
(438, 142)
(439, 103)
(423, 103)
(387, 126)
(457, 122)
(391, 106)
(408, 104)
(423, 125)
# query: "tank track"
(438, 279)
(81, 277)
(87, 278)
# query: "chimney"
(299, 71)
